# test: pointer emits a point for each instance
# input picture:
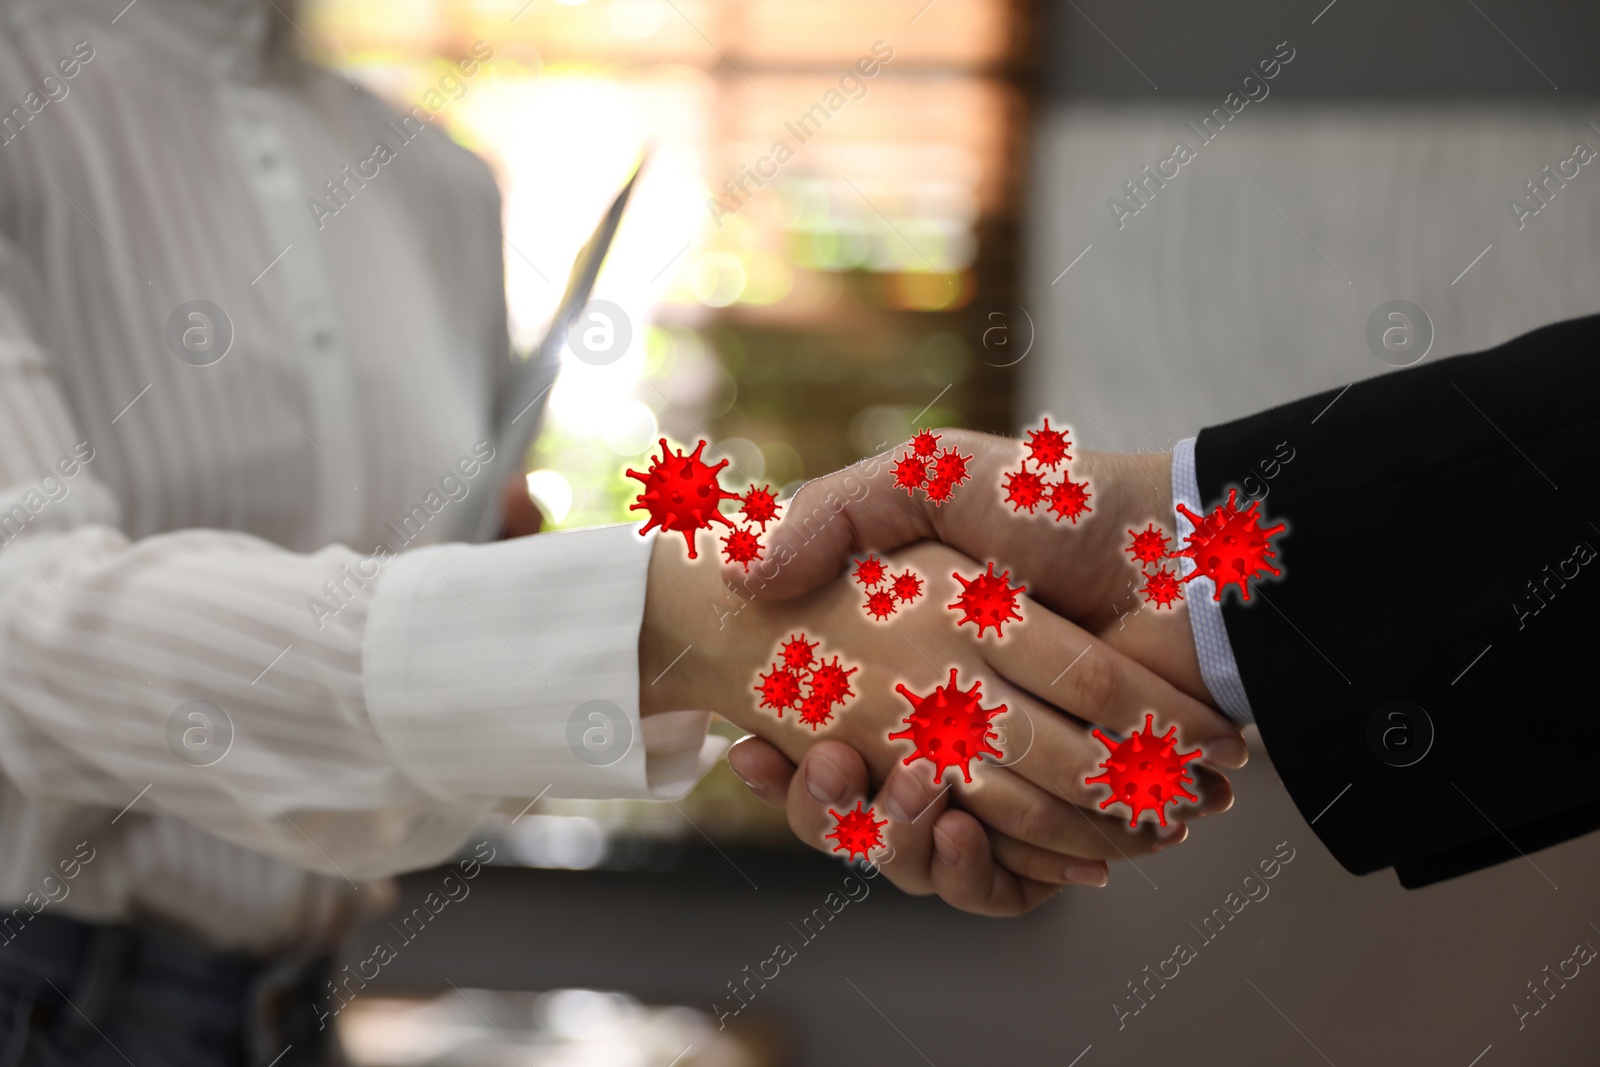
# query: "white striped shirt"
(248, 533)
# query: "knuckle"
(1097, 682)
(1038, 822)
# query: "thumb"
(828, 520)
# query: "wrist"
(698, 641)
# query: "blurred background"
(939, 246)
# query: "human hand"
(945, 850)
(521, 516)
(703, 648)
(1080, 570)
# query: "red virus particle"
(741, 546)
(949, 727)
(759, 506)
(779, 689)
(831, 682)
(1145, 772)
(1069, 499)
(1149, 545)
(988, 600)
(880, 604)
(1024, 489)
(950, 465)
(911, 473)
(1048, 447)
(906, 586)
(681, 493)
(925, 443)
(939, 490)
(798, 653)
(1230, 546)
(870, 572)
(856, 831)
(801, 680)
(814, 711)
(1161, 588)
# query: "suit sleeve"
(1419, 671)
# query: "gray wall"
(1249, 279)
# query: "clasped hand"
(1084, 655)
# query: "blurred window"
(814, 254)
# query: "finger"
(967, 877)
(1216, 792)
(1018, 808)
(1056, 756)
(1042, 865)
(832, 776)
(913, 806)
(828, 519)
(1081, 674)
(763, 768)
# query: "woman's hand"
(703, 647)
(940, 850)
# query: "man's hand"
(1081, 570)
(942, 849)
(702, 647)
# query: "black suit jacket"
(1444, 525)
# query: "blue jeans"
(109, 996)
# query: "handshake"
(1079, 651)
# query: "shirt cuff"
(512, 670)
(1217, 665)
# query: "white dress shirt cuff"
(512, 670)
(1217, 665)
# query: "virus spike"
(1069, 499)
(911, 473)
(871, 572)
(1149, 545)
(779, 689)
(681, 493)
(856, 831)
(1145, 772)
(759, 506)
(1048, 447)
(880, 604)
(798, 653)
(949, 727)
(939, 490)
(1230, 546)
(1161, 587)
(925, 443)
(741, 546)
(1024, 488)
(907, 586)
(988, 599)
